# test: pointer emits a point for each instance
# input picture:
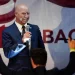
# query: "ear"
(15, 13)
(33, 64)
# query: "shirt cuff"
(72, 50)
(18, 49)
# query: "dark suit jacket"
(11, 37)
(42, 71)
(37, 71)
(4, 70)
(70, 68)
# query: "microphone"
(28, 40)
(27, 28)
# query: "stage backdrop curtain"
(56, 19)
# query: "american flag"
(6, 14)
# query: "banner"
(56, 20)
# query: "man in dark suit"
(19, 38)
(38, 60)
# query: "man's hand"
(26, 35)
(71, 44)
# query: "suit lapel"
(17, 33)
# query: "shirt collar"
(19, 26)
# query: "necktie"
(23, 30)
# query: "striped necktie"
(23, 30)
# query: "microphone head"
(27, 28)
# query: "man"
(19, 37)
(38, 60)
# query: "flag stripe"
(64, 3)
(7, 17)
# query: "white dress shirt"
(19, 26)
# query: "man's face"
(22, 16)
